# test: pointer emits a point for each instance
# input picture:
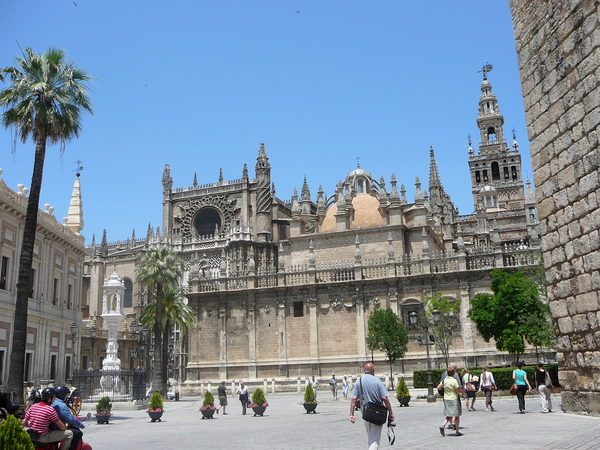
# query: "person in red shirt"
(39, 417)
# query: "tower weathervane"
(79, 167)
(485, 69)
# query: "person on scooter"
(39, 417)
(65, 414)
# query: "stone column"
(223, 341)
(251, 312)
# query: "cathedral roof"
(366, 213)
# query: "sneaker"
(487, 409)
(492, 408)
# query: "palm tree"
(158, 269)
(44, 101)
(175, 313)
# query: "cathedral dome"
(366, 213)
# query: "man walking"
(371, 389)
(222, 392)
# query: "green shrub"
(402, 389)
(209, 399)
(156, 401)
(13, 436)
(258, 398)
(309, 394)
(104, 406)
(502, 376)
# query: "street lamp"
(93, 341)
(414, 320)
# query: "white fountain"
(113, 292)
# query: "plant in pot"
(103, 410)
(310, 399)
(259, 402)
(402, 393)
(155, 408)
(208, 407)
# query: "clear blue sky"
(200, 84)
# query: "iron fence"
(118, 385)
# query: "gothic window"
(495, 171)
(128, 295)
(485, 176)
(506, 177)
(513, 169)
(207, 222)
(477, 177)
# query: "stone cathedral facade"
(283, 289)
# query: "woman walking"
(452, 403)
(543, 384)
(520, 377)
(242, 391)
(470, 391)
(487, 386)
(345, 386)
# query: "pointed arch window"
(128, 295)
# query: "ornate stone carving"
(221, 202)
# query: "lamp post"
(93, 341)
(414, 320)
(73, 329)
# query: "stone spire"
(263, 196)
(221, 176)
(75, 214)
(195, 181)
(305, 198)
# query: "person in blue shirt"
(66, 416)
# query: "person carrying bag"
(375, 406)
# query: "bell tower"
(496, 174)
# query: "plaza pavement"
(285, 425)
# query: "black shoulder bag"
(375, 413)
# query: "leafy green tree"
(13, 436)
(441, 330)
(158, 269)
(175, 313)
(388, 335)
(44, 101)
(513, 315)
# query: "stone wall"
(558, 47)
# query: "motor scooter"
(56, 445)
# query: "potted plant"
(259, 402)
(310, 399)
(155, 408)
(103, 410)
(402, 393)
(208, 406)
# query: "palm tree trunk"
(157, 384)
(17, 357)
(165, 359)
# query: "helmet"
(47, 394)
(62, 392)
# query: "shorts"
(470, 394)
(223, 401)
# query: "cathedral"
(284, 288)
